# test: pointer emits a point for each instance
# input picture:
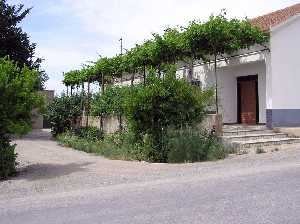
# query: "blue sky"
(69, 33)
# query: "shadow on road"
(49, 171)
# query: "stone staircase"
(246, 138)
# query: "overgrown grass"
(180, 147)
(113, 146)
(192, 146)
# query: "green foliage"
(111, 102)
(64, 112)
(117, 146)
(150, 110)
(7, 158)
(73, 77)
(15, 43)
(164, 103)
(181, 146)
(17, 100)
(220, 35)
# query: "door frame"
(247, 78)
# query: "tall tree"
(15, 43)
(17, 99)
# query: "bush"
(7, 159)
(18, 98)
(193, 146)
(63, 113)
(161, 104)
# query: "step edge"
(265, 141)
(254, 135)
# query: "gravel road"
(61, 185)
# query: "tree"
(15, 43)
(17, 100)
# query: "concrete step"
(251, 137)
(253, 144)
(244, 127)
(246, 132)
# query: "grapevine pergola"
(206, 41)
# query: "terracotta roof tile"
(274, 18)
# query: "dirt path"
(49, 168)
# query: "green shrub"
(7, 159)
(161, 104)
(18, 97)
(63, 112)
(192, 146)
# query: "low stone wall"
(111, 123)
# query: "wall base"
(283, 118)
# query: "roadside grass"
(179, 147)
(106, 147)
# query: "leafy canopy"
(18, 97)
(15, 43)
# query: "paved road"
(64, 186)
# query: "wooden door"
(247, 100)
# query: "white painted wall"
(285, 63)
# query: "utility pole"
(121, 47)
(121, 40)
(120, 116)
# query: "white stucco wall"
(285, 63)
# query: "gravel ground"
(46, 168)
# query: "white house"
(261, 85)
